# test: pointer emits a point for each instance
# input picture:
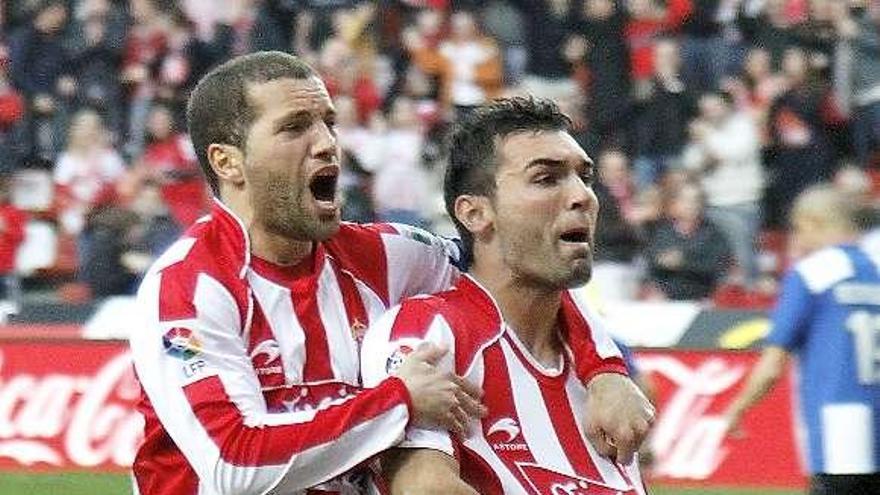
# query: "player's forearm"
(423, 472)
(295, 451)
(763, 377)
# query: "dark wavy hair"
(473, 150)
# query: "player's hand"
(439, 398)
(619, 416)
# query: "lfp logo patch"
(181, 343)
(396, 358)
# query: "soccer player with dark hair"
(519, 189)
(247, 342)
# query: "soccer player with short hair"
(248, 353)
(246, 345)
(828, 316)
(519, 189)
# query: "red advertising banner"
(688, 442)
(67, 405)
(70, 405)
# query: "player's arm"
(789, 324)
(763, 377)
(423, 472)
(191, 361)
(619, 414)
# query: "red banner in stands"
(67, 406)
(693, 389)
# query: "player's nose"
(325, 146)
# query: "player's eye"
(545, 179)
(588, 176)
(295, 127)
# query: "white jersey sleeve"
(418, 262)
(386, 344)
(191, 360)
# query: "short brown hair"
(219, 111)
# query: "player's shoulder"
(200, 268)
(391, 233)
(192, 251)
(824, 268)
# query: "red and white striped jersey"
(250, 371)
(531, 441)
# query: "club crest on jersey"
(392, 364)
(548, 482)
(181, 343)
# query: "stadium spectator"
(123, 241)
(618, 229)
(725, 155)
(548, 30)
(146, 41)
(467, 63)
(38, 65)
(799, 153)
(87, 170)
(518, 187)
(606, 78)
(155, 231)
(101, 266)
(38, 55)
(648, 19)
(95, 47)
(826, 316)
(355, 181)
(246, 415)
(505, 23)
(768, 25)
(662, 116)
(706, 52)
(12, 108)
(393, 154)
(756, 87)
(687, 255)
(858, 75)
(170, 161)
(12, 233)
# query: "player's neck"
(278, 249)
(532, 312)
(269, 246)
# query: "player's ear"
(227, 161)
(475, 213)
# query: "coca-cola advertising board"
(688, 442)
(67, 406)
(70, 405)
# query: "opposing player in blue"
(828, 317)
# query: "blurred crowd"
(706, 118)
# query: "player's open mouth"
(579, 236)
(323, 184)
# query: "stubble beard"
(282, 209)
(548, 270)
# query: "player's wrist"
(602, 374)
(397, 388)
